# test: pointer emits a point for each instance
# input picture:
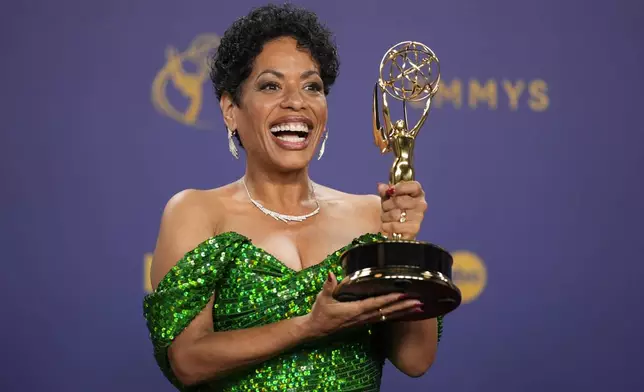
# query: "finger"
(411, 188)
(404, 202)
(403, 307)
(382, 190)
(330, 284)
(395, 316)
(379, 302)
(391, 216)
(395, 215)
(389, 204)
(408, 230)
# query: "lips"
(292, 133)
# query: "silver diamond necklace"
(283, 217)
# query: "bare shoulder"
(328, 194)
(190, 217)
(190, 209)
(366, 207)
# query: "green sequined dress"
(253, 288)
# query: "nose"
(292, 99)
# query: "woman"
(244, 274)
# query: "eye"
(315, 86)
(269, 86)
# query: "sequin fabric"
(254, 288)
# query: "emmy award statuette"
(419, 269)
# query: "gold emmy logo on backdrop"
(189, 84)
(492, 94)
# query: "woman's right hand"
(329, 315)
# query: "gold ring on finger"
(403, 217)
(382, 315)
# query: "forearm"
(412, 345)
(218, 353)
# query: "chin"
(292, 160)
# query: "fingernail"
(328, 277)
(418, 310)
(391, 190)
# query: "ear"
(228, 111)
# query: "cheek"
(320, 109)
(253, 117)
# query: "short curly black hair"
(233, 61)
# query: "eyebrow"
(281, 75)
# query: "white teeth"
(291, 138)
(292, 127)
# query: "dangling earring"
(326, 136)
(231, 144)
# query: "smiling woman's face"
(283, 111)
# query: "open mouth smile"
(291, 135)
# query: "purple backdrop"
(532, 166)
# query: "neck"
(286, 192)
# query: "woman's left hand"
(403, 208)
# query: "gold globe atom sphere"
(410, 76)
